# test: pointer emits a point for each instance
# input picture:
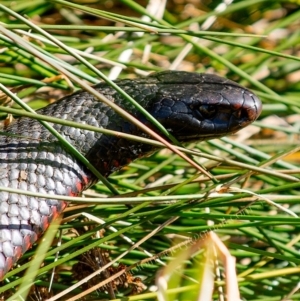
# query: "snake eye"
(206, 111)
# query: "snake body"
(191, 106)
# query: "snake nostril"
(243, 114)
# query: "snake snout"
(246, 110)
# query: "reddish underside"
(45, 222)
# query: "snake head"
(194, 106)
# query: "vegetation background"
(255, 43)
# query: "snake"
(191, 106)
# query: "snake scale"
(190, 106)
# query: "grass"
(255, 43)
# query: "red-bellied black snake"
(190, 106)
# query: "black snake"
(190, 106)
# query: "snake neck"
(110, 154)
